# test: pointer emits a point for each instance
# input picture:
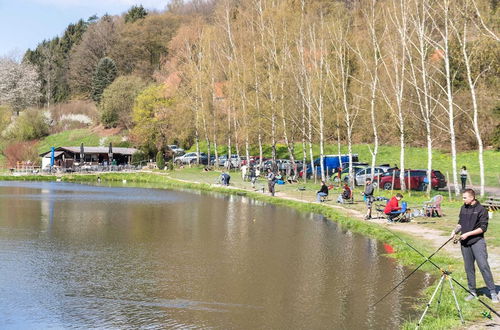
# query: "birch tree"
(394, 63)
(340, 73)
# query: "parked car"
(345, 172)
(355, 165)
(177, 151)
(363, 173)
(414, 179)
(223, 159)
(190, 158)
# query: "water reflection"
(85, 256)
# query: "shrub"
(21, 152)
(139, 157)
(5, 114)
(160, 161)
(30, 125)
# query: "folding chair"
(433, 207)
(379, 204)
(400, 215)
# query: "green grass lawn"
(73, 138)
(415, 158)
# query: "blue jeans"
(319, 195)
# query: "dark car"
(414, 179)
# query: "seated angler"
(323, 192)
(345, 195)
(392, 207)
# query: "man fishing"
(473, 220)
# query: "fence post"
(393, 177)
(409, 183)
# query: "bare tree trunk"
(396, 75)
(449, 94)
(257, 100)
(229, 151)
(422, 89)
(304, 153)
(475, 120)
(207, 138)
(283, 119)
(197, 141)
(236, 142)
(373, 85)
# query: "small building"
(67, 157)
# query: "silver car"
(190, 158)
(364, 173)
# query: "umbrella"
(82, 153)
(52, 156)
(110, 152)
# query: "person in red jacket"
(393, 205)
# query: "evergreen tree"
(135, 13)
(160, 161)
(51, 57)
(104, 75)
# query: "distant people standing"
(244, 170)
(253, 176)
(271, 181)
(368, 193)
(463, 177)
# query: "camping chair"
(433, 207)
(379, 204)
(399, 215)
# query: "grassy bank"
(196, 179)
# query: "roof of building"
(94, 150)
(56, 154)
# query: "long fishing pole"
(457, 229)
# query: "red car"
(414, 179)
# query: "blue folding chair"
(399, 215)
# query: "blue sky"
(25, 23)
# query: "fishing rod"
(410, 274)
(455, 240)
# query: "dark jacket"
(369, 191)
(323, 189)
(472, 217)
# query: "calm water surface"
(80, 256)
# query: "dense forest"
(250, 73)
